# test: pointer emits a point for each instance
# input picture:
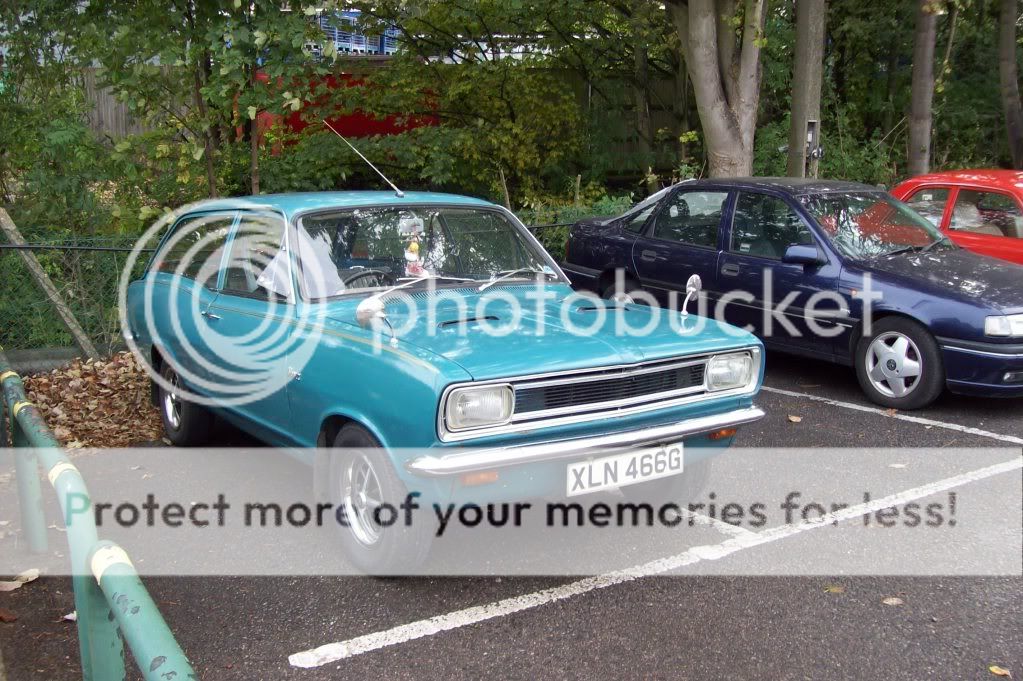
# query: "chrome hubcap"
(172, 403)
(361, 496)
(894, 364)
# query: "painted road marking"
(719, 525)
(901, 417)
(333, 652)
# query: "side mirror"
(693, 287)
(370, 311)
(799, 254)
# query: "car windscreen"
(870, 224)
(368, 249)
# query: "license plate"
(620, 470)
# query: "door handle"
(209, 315)
(730, 270)
(648, 256)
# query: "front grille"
(588, 391)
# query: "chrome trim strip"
(1000, 355)
(488, 459)
(645, 368)
(529, 416)
(602, 411)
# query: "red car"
(981, 210)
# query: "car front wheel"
(374, 533)
(899, 365)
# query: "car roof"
(797, 186)
(993, 176)
(297, 202)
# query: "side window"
(930, 203)
(195, 248)
(766, 226)
(258, 263)
(692, 218)
(987, 213)
(634, 223)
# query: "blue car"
(836, 271)
(425, 343)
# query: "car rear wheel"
(365, 485)
(185, 423)
(899, 365)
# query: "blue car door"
(254, 316)
(772, 296)
(681, 240)
(184, 276)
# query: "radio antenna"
(397, 192)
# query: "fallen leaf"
(893, 600)
(7, 616)
(97, 404)
(891, 412)
(19, 581)
(999, 671)
(834, 589)
(795, 419)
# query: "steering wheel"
(382, 276)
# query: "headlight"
(725, 372)
(476, 407)
(1005, 326)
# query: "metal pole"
(151, 642)
(26, 466)
(30, 495)
(100, 645)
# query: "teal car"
(426, 343)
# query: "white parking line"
(896, 415)
(333, 652)
(719, 525)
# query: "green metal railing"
(110, 599)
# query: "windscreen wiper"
(508, 275)
(941, 241)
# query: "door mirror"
(693, 287)
(799, 254)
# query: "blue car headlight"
(477, 407)
(1004, 326)
(726, 372)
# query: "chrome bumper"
(486, 459)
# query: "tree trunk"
(644, 129)
(922, 92)
(806, 81)
(1010, 80)
(725, 72)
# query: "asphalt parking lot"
(658, 623)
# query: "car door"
(682, 239)
(986, 221)
(185, 274)
(931, 202)
(767, 294)
(254, 317)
